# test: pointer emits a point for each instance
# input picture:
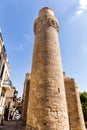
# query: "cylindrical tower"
(47, 109)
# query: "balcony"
(7, 84)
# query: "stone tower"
(47, 109)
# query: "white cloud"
(83, 7)
(83, 4)
(79, 12)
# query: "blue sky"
(16, 23)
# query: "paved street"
(12, 125)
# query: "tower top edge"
(46, 10)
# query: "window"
(2, 71)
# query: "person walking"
(6, 113)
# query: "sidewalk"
(12, 125)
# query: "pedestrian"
(6, 111)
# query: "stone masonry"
(76, 120)
(47, 108)
(48, 95)
(75, 114)
(25, 97)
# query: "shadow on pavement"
(12, 125)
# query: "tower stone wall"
(25, 97)
(75, 114)
(47, 109)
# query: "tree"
(83, 98)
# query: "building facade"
(11, 97)
(5, 83)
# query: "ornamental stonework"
(45, 21)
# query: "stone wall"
(25, 97)
(75, 114)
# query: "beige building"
(11, 97)
(5, 83)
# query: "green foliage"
(83, 98)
